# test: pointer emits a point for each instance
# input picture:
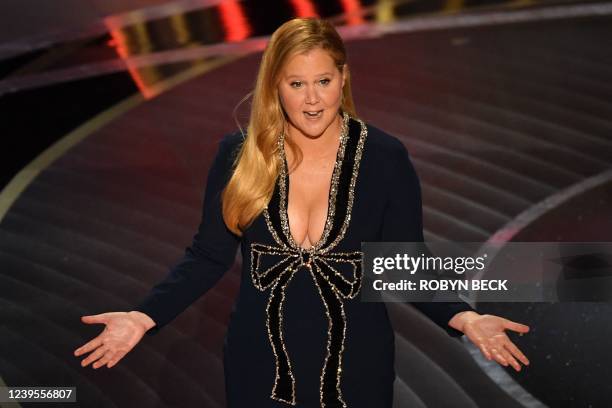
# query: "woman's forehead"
(313, 62)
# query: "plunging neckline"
(331, 194)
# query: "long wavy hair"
(257, 165)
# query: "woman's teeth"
(313, 114)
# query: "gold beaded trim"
(272, 229)
(351, 193)
(332, 191)
(331, 322)
(325, 268)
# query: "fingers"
(485, 350)
(514, 326)
(493, 348)
(94, 356)
(511, 360)
(116, 358)
(108, 355)
(499, 357)
(505, 352)
(101, 356)
(504, 357)
(516, 352)
(495, 344)
(93, 344)
(92, 319)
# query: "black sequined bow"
(332, 286)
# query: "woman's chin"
(314, 129)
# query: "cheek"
(332, 95)
(289, 101)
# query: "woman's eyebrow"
(298, 76)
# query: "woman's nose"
(311, 95)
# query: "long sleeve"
(403, 222)
(211, 253)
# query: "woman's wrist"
(460, 319)
(143, 319)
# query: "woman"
(299, 193)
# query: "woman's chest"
(337, 205)
(308, 219)
(308, 204)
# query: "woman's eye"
(296, 84)
(324, 81)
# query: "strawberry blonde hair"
(257, 165)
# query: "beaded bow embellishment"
(336, 275)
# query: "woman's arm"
(403, 222)
(211, 253)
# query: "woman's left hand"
(487, 332)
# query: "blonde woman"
(299, 193)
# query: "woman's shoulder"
(384, 145)
(229, 146)
(231, 140)
(389, 156)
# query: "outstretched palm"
(487, 332)
(122, 332)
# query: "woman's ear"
(344, 72)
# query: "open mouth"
(313, 114)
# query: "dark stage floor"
(505, 108)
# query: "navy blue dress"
(298, 333)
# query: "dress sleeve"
(403, 222)
(211, 253)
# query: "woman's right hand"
(122, 332)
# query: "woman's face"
(310, 82)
